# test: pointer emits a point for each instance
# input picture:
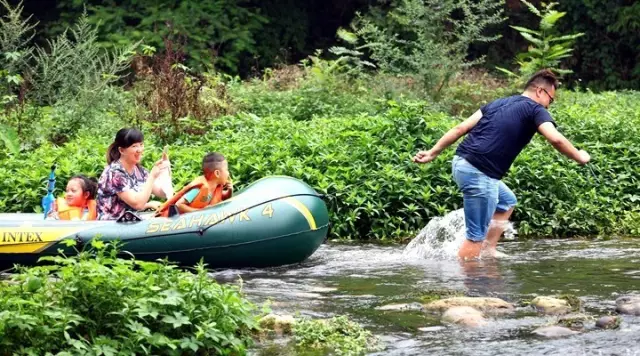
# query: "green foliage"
(15, 36)
(218, 32)
(173, 99)
(608, 55)
(73, 75)
(363, 163)
(427, 39)
(337, 335)
(546, 48)
(96, 303)
(302, 93)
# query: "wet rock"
(554, 331)
(322, 289)
(608, 322)
(401, 307)
(549, 305)
(629, 304)
(465, 316)
(488, 305)
(280, 324)
(574, 321)
(427, 329)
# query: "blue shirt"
(506, 127)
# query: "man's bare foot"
(493, 253)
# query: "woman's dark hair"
(88, 185)
(124, 138)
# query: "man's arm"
(560, 143)
(449, 138)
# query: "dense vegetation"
(97, 304)
(260, 34)
(344, 128)
(346, 119)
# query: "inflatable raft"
(274, 221)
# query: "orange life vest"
(204, 198)
(66, 212)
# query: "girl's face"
(133, 153)
(75, 195)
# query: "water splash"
(442, 237)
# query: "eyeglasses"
(551, 99)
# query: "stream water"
(356, 279)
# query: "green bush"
(96, 303)
(364, 164)
(337, 335)
(304, 93)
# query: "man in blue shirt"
(495, 136)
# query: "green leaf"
(526, 30)
(177, 320)
(9, 137)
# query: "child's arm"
(53, 213)
(187, 198)
(227, 190)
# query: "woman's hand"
(158, 167)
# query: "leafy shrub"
(96, 303)
(337, 335)
(15, 36)
(363, 163)
(427, 39)
(471, 89)
(546, 49)
(171, 95)
(313, 91)
(70, 77)
(220, 32)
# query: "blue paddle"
(47, 200)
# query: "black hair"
(542, 77)
(212, 161)
(88, 185)
(124, 138)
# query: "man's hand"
(425, 156)
(584, 157)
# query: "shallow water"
(354, 279)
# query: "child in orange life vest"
(212, 187)
(79, 201)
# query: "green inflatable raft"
(275, 221)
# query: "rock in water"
(628, 305)
(488, 305)
(574, 321)
(465, 316)
(608, 322)
(401, 307)
(554, 331)
(549, 305)
(280, 324)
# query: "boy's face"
(222, 173)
